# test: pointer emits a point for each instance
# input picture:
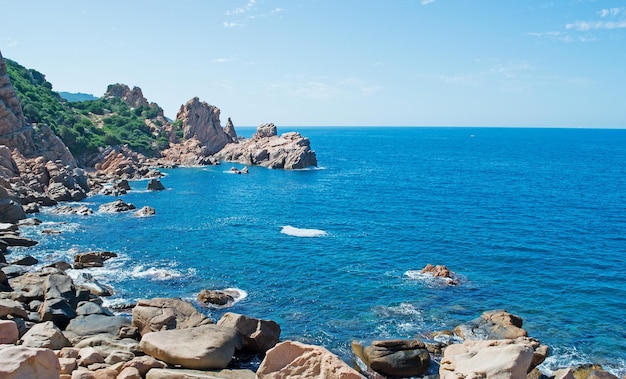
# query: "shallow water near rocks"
(532, 220)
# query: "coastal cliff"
(36, 166)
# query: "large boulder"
(106, 344)
(510, 358)
(8, 332)
(401, 358)
(45, 335)
(164, 314)
(258, 335)
(296, 360)
(13, 308)
(89, 325)
(203, 347)
(19, 362)
(492, 325)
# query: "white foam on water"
(298, 232)
(154, 273)
(236, 293)
(570, 357)
(428, 279)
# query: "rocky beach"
(54, 325)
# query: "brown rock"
(165, 314)
(296, 360)
(401, 358)
(496, 324)
(8, 332)
(19, 362)
(258, 335)
(201, 121)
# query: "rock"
(492, 325)
(164, 314)
(590, 371)
(491, 358)
(20, 362)
(201, 121)
(12, 308)
(92, 259)
(88, 356)
(86, 281)
(258, 335)
(13, 271)
(11, 211)
(296, 360)
(107, 343)
(83, 326)
(216, 297)
(60, 286)
(116, 207)
(58, 311)
(15, 240)
(230, 130)
(67, 365)
(82, 210)
(8, 332)
(86, 308)
(129, 373)
(145, 212)
(265, 148)
(213, 346)
(144, 364)
(45, 335)
(170, 373)
(123, 184)
(119, 356)
(26, 261)
(441, 272)
(401, 358)
(155, 185)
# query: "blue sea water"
(532, 220)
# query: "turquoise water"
(532, 220)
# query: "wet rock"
(443, 272)
(217, 297)
(92, 259)
(492, 325)
(145, 212)
(116, 207)
(82, 210)
(26, 261)
(155, 185)
(87, 282)
(15, 240)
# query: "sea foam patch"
(299, 232)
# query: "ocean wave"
(298, 232)
(236, 293)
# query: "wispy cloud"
(239, 10)
(271, 13)
(231, 24)
(221, 60)
(585, 26)
(322, 88)
(426, 2)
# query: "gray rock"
(86, 308)
(155, 185)
(13, 308)
(93, 324)
(492, 325)
(106, 344)
(205, 347)
(116, 207)
(145, 212)
(58, 311)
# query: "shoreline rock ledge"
(289, 151)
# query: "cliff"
(35, 166)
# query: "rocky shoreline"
(53, 326)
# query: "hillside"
(121, 117)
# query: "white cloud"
(426, 2)
(612, 12)
(584, 26)
(231, 24)
(221, 60)
(249, 5)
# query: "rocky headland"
(54, 326)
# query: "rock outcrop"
(133, 98)
(201, 121)
(288, 151)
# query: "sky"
(339, 62)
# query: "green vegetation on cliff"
(86, 126)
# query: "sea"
(532, 221)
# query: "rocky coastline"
(54, 326)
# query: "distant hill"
(77, 97)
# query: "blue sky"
(339, 62)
